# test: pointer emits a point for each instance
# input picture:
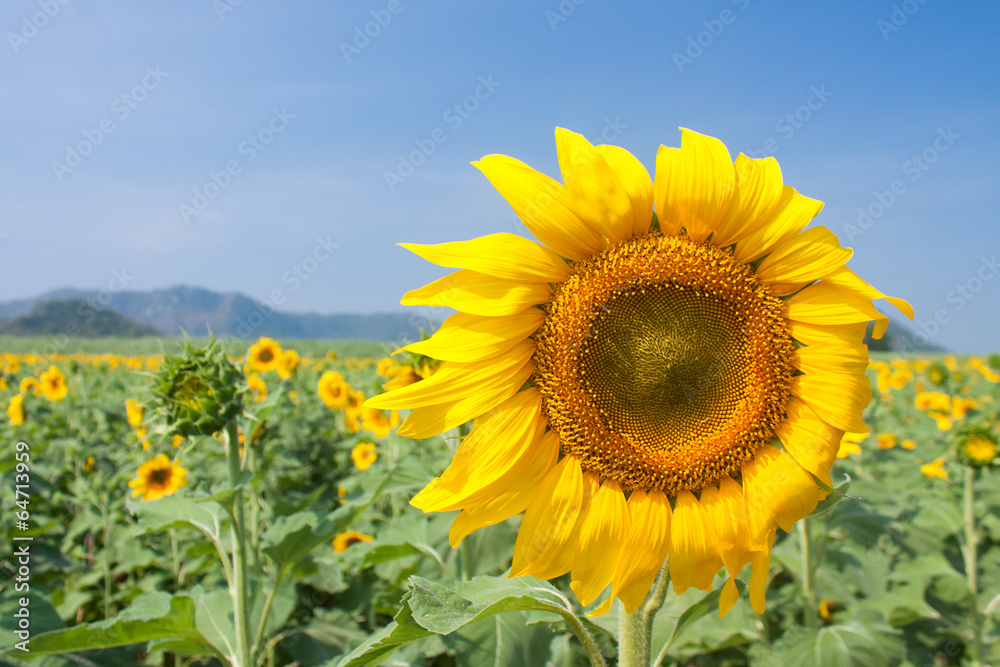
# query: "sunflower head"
(289, 362)
(133, 412)
(333, 390)
(197, 392)
(52, 384)
(938, 373)
(265, 355)
(629, 375)
(15, 410)
(158, 477)
(363, 455)
(978, 448)
(29, 385)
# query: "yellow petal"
(635, 179)
(694, 549)
(758, 194)
(457, 380)
(601, 542)
(727, 512)
(694, 186)
(826, 303)
(517, 492)
(595, 193)
(730, 594)
(828, 334)
(546, 540)
(431, 420)
(778, 491)
(504, 256)
(463, 337)
(500, 440)
(811, 441)
(804, 258)
(761, 564)
(844, 277)
(790, 216)
(646, 548)
(846, 358)
(541, 203)
(838, 399)
(479, 294)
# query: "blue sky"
(244, 146)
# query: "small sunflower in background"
(264, 356)
(935, 468)
(333, 389)
(628, 374)
(344, 540)
(15, 410)
(30, 385)
(52, 384)
(850, 443)
(157, 478)
(379, 422)
(290, 361)
(257, 387)
(133, 412)
(363, 455)
(978, 449)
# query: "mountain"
(74, 317)
(232, 315)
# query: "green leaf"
(151, 616)
(703, 606)
(175, 511)
(224, 494)
(847, 645)
(429, 607)
(214, 620)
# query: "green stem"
(971, 566)
(586, 640)
(635, 630)
(259, 636)
(808, 574)
(466, 559)
(107, 562)
(240, 589)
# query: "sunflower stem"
(240, 589)
(971, 566)
(586, 640)
(635, 630)
(808, 574)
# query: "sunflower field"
(273, 527)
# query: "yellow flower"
(932, 400)
(363, 455)
(176, 441)
(341, 494)
(344, 540)
(882, 373)
(935, 468)
(937, 373)
(826, 608)
(52, 384)
(3, 383)
(886, 441)
(979, 449)
(333, 389)
(908, 444)
(133, 411)
(944, 422)
(899, 379)
(16, 410)
(288, 363)
(850, 443)
(663, 358)
(30, 385)
(258, 387)
(264, 356)
(378, 422)
(158, 477)
(89, 465)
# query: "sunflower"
(16, 410)
(979, 449)
(290, 360)
(363, 455)
(30, 385)
(643, 384)
(379, 422)
(258, 387)
(158, 477)
(265, 355)
(133, 412)
(52, 383)
(333, 389)
(887, 440)
(935, 468)
(344, 540)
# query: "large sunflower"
(643, 383)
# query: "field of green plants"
(278, 532)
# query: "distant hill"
(74, 317)
(232, 315)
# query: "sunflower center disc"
(663, 364)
